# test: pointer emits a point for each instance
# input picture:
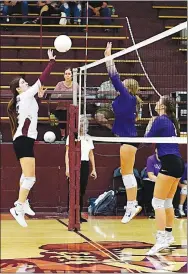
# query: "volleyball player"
(23, 115)
(172, 168)
(124, 107)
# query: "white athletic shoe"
(130, 214)
(169, 238)
(27, 208)
(19, 216)
(182, 213)
(161, 243)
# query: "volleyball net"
(156, 65)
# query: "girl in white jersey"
(23, 115)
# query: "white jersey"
(86, 147)
(27, 110)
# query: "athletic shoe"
(169, 238)
(82, 220)
(130, 214)
(182, 213)
(177, 213)
(161, 243)
(27, 208)
(19, 216)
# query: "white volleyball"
(62, 43)
(49, 137)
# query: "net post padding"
(74, 171)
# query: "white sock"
(169, 233)
(180, 207)
(19, 206)
(161, 232)
(131, 204)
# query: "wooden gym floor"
(103, 245)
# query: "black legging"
(84, 174)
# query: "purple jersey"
(164, 127)
(124, 107)
(153, 165)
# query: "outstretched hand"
(108, 50)
(50, 55)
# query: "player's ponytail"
(133, 87)
(170, 105)
(11, 109)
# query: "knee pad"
(157, 203)
(184, 190)
(22, 179)
(129, 181)
(28, 182)
(168, 203)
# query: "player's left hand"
(51, 56)
(93, 174)
(108, 50)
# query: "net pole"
(75, 88)
(74, 161)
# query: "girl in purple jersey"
(172, 168)
(23, 115)
(124, 107)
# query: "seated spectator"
(11, 7)
(62, 87)
(45, 9)
(98, 8)
(183, 192)
(152, 170)
(71, 8)
(104, 111)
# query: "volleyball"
(49, 137)
(62, 43)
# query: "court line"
(96, 245)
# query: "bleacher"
(172, 14)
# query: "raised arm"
(36, 88)
(113, 73)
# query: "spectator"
(183, 192)
(62, 87)
(104, 111)
(87, 156)
(150, 176)
(98, 8)
(11, 7)
(71, 8)
(45, 9)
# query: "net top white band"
(147, 140)
(137, 46)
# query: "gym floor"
(103, 245)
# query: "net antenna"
(140, 61)
(146, 42)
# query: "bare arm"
(92, 160)
(152, 177)
(67, 161)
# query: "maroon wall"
(50, 192)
